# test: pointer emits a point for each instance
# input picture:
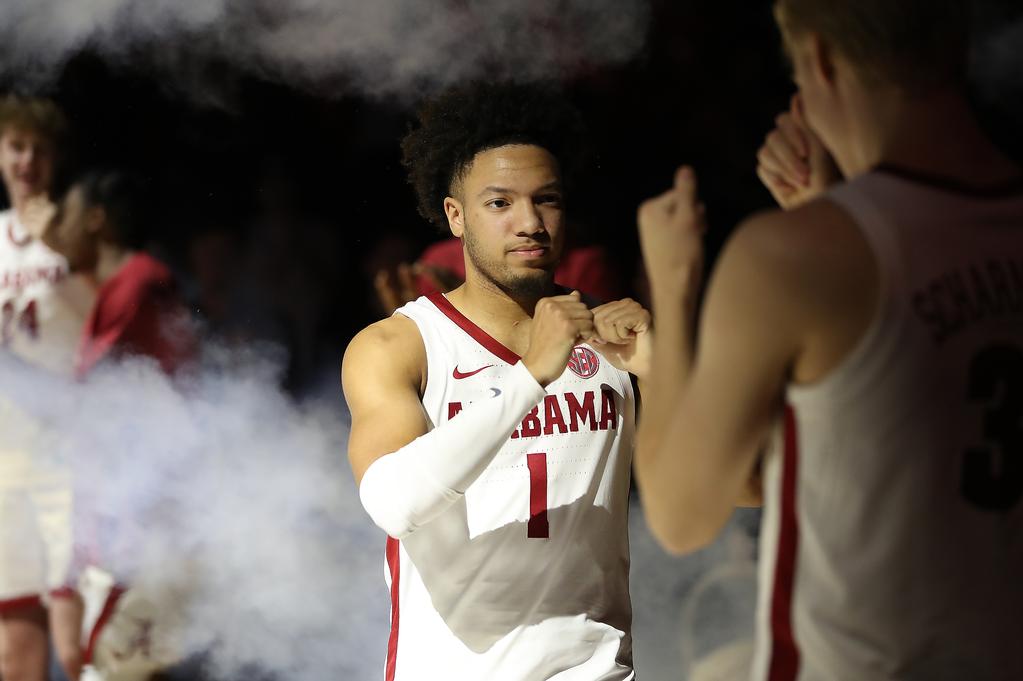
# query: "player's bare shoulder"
(818, 274)
(389, 351)
(804, 247)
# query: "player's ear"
(95, 219)
(455, 212)
(821, 56)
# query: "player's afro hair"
(463, 121)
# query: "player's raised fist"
(671, 228)
(559, 323)
(793, 163)
(624, 335)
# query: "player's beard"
(526, 283)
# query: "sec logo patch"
(583, 362)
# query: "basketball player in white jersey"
(881, 324)
(41, 314)
(492, 426)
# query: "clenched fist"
(793, 163)
(559, 324)
(671, 228)
(624, 335)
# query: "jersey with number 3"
(893, 533)
(525, 577)
(38, 320)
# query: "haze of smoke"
(233, 502)
(379, 48)
(235, 509)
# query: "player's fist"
(793, 163)
(559, 323)
(671, 228)
(624, 335)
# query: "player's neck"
(19, 205)
(935, 134)
(109, 260)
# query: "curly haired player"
(492, 427)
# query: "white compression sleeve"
(405, 489)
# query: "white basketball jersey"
(892, 539)
(42, 309)
(527, 576)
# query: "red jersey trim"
(20, 603)
(63, 592)
(784, 663)
(495, 347)
(394, 565)
(104, 618)
(20, 243)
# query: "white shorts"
(35, 519)
(128, 634)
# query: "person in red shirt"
(441, 268)
(99, 227)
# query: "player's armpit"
(752, 494)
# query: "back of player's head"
(33, 114)
(913, 44)
(462, 122)
(123, 198)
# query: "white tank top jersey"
(527, 576)
(892, 539)
(42, 308)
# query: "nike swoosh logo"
(458, 375)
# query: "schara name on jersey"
(565, 413)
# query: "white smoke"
(227, 495)
(375, 47)
(228, 501)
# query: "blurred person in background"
(441, 268)
(42, 308)
(873, 332)
(102, 227)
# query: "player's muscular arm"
(382, 373)
(408, 476)
(714, 407)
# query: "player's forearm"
(668, 464)
(405, 489)
(674, 313)
(688, 489)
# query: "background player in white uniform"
(41, 315)
(887, 313)
(489, 440)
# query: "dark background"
(276, 205)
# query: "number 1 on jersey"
(538, 527)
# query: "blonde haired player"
(881, 323)
(41, 313)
